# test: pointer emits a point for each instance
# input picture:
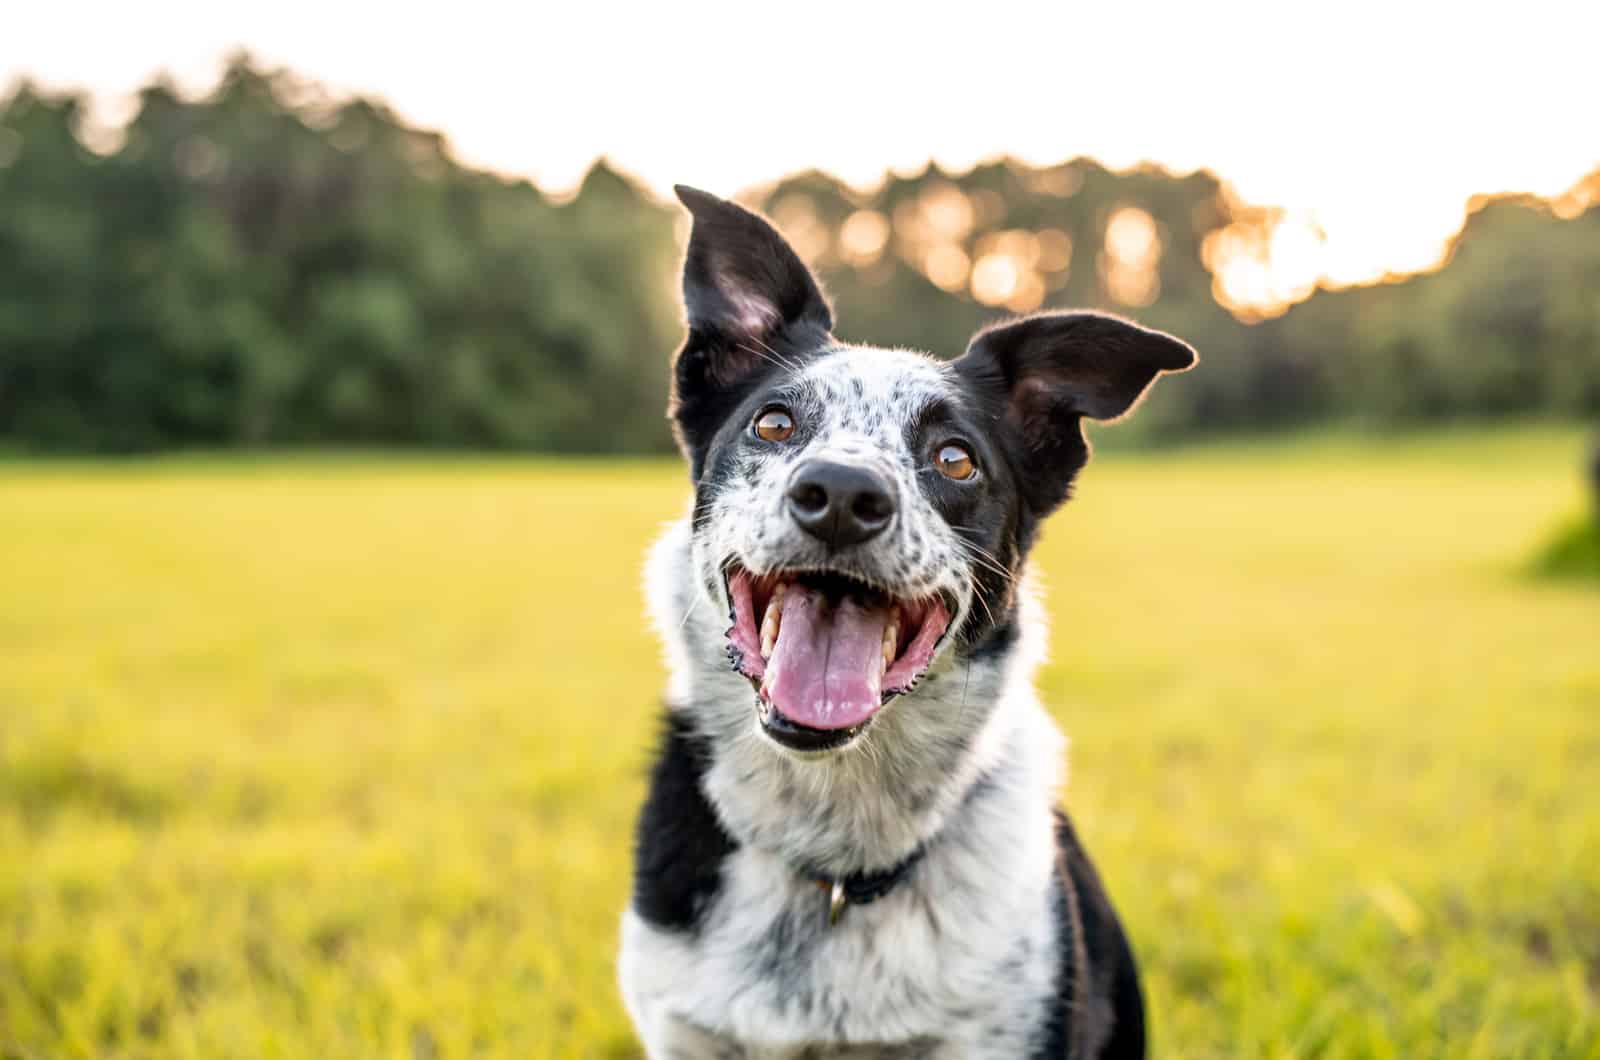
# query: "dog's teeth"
(770, 622)
(891, 640)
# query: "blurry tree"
(1511, 324)
(265, 265)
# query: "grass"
(1573, 551)
(338, 758)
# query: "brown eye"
(954, 462)
(774, 424)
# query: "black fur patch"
(1107, 1022)
(998, 639)
(1040, 376)
(753, 308)
(679, 845)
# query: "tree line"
(266, 266)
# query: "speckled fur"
(867, 808)
(856, 407)
(958, 961)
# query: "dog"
(850, 846)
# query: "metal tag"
(836, 902)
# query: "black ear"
(752, 304)
(740, 279)
(1047, 372)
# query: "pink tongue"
(826, 670)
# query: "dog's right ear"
(1048, 372)
(752, 304)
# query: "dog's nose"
(839, 504)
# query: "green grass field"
(338, 757)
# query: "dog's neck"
(970, 724)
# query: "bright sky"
(1372, 121)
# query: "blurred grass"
(1573, 551)
(338, 757)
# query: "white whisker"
(773, 356)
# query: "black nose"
(839, 504)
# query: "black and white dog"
(850, 846)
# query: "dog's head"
(862, 513)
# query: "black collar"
(864, 888)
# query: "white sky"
(1375, 120)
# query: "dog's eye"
(955, 462)
(774, 424)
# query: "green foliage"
(891, 298)
(262, 266)
(1509, 326)
(340, 757)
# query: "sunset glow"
(1371, 143)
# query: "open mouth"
(827, 651)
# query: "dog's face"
(862, 513)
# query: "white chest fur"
(957, 961)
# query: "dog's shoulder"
(1100, 1009)
(679, 845)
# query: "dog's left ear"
(752, 303)
(1051, 370)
